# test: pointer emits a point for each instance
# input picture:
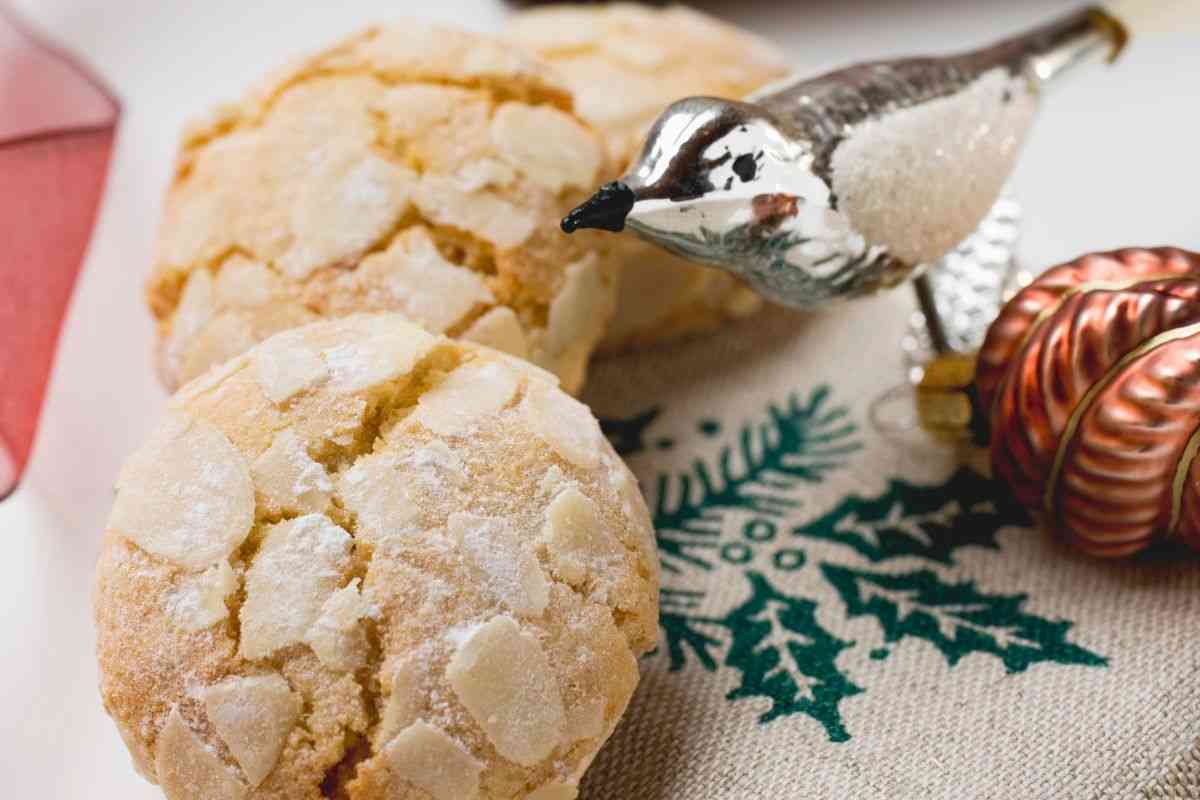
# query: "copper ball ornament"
(1090, 379)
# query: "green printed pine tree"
(956, 618)
(926, 521)
(799, 443)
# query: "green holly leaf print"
(930, 522)
(683, 634)
(784, 654)
(800, 442)
(774, 642)
(771, 645)
(683, 631)
(957, 618)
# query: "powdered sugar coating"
(186, 495)
(411, 168)
(375, 490)
(292, 370)
(425, 538)
(625, 63)
(382, 355)
(338, 636)
(199, 600)
(253, 717)
(575, 543)
(502, 675)
(424, 285)
(506, 565)
(563, 423)
(499, 329)
(287, 478)
(427, 758)
(186, 767)
(468, 395)
(297, 568)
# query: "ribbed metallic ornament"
(1090, 377)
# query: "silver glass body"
(782, 190)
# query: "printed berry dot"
(879, 654)
(759, 530)
(736, 553)
(788, 560)
(664, 444)
(709, 427)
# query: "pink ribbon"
(57, 124)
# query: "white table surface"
(1113, 161)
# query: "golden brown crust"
(419, 471)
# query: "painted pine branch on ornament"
(800, 442)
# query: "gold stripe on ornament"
(1094, 286)
(1050, 310)
(1095, 389)
(1181, 473)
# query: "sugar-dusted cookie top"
(626, 63)
(363, 561)
(410, 168)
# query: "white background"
(1113, 161)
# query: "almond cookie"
(410, 168)
(625, 64)
(363, 561)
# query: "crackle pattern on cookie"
(373, 563)
(625, 63)
(410, 168)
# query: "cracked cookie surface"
(362, 561)
(411, 168)
(625, 63)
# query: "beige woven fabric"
(1180, 780)
(848, 615)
